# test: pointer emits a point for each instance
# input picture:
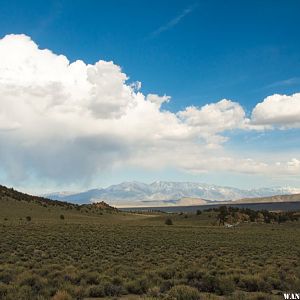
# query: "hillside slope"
(276, 198)
(10, 193)
(17, 206)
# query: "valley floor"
(137, 256)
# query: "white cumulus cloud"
(215, 117)
(278, 110)
(70, 121)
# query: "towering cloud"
(68, 121)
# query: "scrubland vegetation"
(232, 215)
(97, 253)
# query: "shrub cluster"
(231, 214)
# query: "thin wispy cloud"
(283, 83)
(174, 21)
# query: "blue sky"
(196, 52)
(221, 49)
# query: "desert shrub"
(166, 273)
(193, 274)
(3, 291)
(92, 278)
(62, 295)
(238, 295)
(252, 296)
(111, 289)
(35, 282)
(28, 218)
(96, 291)
(6, 276)
(208, 283)
(295, 284)
(133, 287)
(154, 292)
(79, 292)
(275, 282)
(226, 285)
(71, 274)
(198, 212)
(184, 292)
(254, 283)
(137, 287)
(166, 285)
(144, 285)
(169, 221)
(23, 293)
(62, 217)
(117, 281)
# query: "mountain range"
(164, 193)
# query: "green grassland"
(93, 253)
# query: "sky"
(94, 93)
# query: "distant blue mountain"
(161, 193)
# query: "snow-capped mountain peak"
(166, 193)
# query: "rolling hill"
(19, 206)
(276, 198)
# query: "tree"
(169, 221)
(222, 214)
